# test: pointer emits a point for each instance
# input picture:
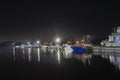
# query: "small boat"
(78, 50)
(67, 48)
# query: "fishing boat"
(67, 48)
(78, 48)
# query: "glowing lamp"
(58, 40)
(77, 42)
(38, 42)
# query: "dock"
(106, 49)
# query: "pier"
(106, 49)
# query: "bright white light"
(23, 51)
(58, 40)
(58, 56)
(38, 51)
(38, 42)
(29, 54)
(77, 42)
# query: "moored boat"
(78, 49)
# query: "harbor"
(40, 62)
(112, 44)
(107, 49)
(59, 40)
(78, 59)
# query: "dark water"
(40, 64)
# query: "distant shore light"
(38, 42)
(58, 40)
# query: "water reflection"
(29, 54)
(14, 53)
(58, 63)
(51, 50)
(44, 48)
(67, 55)
(38, 52)
(58, 56)
(26, 53)
(23, 52)
(85, 58)
(113, 58)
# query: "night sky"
(47, 20)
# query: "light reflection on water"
(85, 58)
(23, 51)
(67, 55)
(113, 58)
(44, 62)
(38, 54)
(58, 56)
(29, 54)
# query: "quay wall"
(106, 49)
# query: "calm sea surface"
(40, 64)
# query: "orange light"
(77, 42)
(69, 42)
